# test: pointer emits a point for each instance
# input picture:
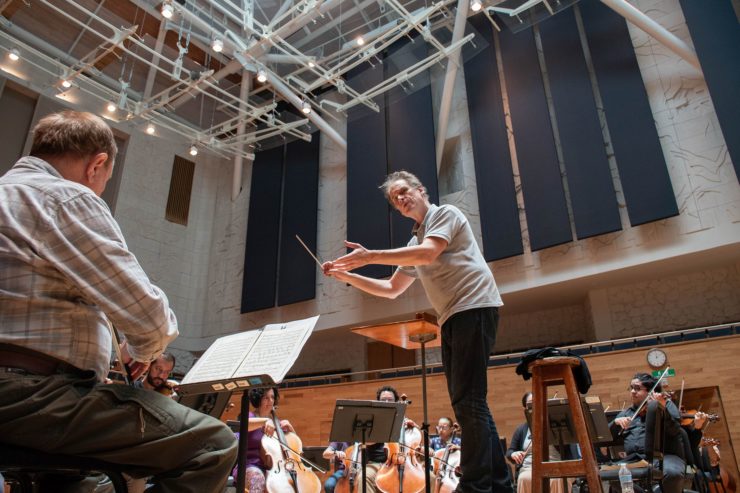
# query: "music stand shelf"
(420, 333)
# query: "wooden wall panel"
(706, 363)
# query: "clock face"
(656, 358)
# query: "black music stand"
(361, 421)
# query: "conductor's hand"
(518, 456)
(355, 259)
(624, 422)
(135, 368)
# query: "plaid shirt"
(65, 268)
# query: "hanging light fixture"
(111, 107)
(262, 76)
(306, 107)
(167, 10)
(193, 150)
(150, 129)
(66, 84)
(217, 45)
(311, 64)
(14, 55)
(360, 40)
(476, 5)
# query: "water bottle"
(625, 479)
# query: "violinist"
(159, 372)
(335, 452)
(632, 428)
(519, 453)
(260, 424)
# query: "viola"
(402, 472)
(446, 462)
(687, 417)
(287, 473)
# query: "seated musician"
(520, 454)
(335, 452)
(444, 433)
(159, 372)
(632, 429)
(260, 423)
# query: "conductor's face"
(405, 198)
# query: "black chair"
(693, 471)
(652, 473)
(25, 468)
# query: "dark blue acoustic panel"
(542, 186)
(642, 169)
(499, 213)
(297, 270)
(592, 196)
(368, 219)
(715, 30)
(261, 252)
(410, 131)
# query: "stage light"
(311, 64)
(111, 107)
(66, 84)
(305, 107)
(476, 5)
(218, 45)
(261, 76)
(150, 129)
(14, 54)
(193, 150)
(360, 40)
(167, 10)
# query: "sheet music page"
(223, 358)
(277, 349)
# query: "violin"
(350, 482)
(402, 472)
(287, 473)
(445, 465)
(687, 417)
(168, 388)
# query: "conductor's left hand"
(355, 259)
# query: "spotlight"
(111, 107)
(475, 5)
(150, 129)
(218, 45)
(167, 9)
(311, 64)
(360, 40)
(14, 54)
(305, 107)
(193, 150)
(261, 76)
(66, 84)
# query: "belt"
(14, 357)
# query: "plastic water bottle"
(625, 479)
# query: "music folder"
(254, 358)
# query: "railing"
(650, 340)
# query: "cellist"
(260, 423)
(335, 453)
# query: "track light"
(14, 54)
(193, 150)
(218, 45)
(66, 84)
(261, 76)
(306, 107)
(311, 64)
(167, 10)
(150, 129)
(360, 40)
(111, 107)
(476, 5)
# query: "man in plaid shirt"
(66, 272)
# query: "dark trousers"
(467, 338)
(184, 450)
(331, 482)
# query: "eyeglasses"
(443, 427)
(636, 388)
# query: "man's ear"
(96, 164)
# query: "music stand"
(420, 333)
(359, 421)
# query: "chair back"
(654, 432)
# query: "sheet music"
(270, 351)
(277, 349)
(223, 357)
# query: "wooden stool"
(545, 373)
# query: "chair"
(654, 441)
(547, 372)
(693, 472)
(24, 467)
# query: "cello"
(721, 480)
(287, 473)
(446, 460)
(402, 472)
(351, 481)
